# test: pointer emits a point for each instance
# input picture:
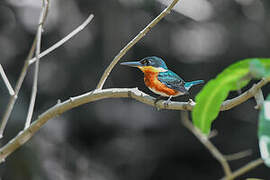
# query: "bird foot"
(166, 103)
(191, 102)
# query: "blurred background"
(119, 139)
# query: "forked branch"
(207, 143)
(30, 61)
(229, 175)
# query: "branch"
(5, 79)
(133, 42)
(13, 98)
(207, 143)
(244, 169)
(223, 159)
(238, 155)
(65, 39)
(96, 95)
(28, 62)
(259, 99)
(43, 15)
(229, 104)
(73, 102)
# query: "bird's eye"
(145, 62)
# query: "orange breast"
(151, 81)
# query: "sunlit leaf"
(209, 100)
(264, 132)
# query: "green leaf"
(209, 100)
(264, 132)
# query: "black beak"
(132, 64)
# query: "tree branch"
(5, 79)
(244, 169)
(207, 143)
(223, 159)
(229, 104)
(30, 61)
(42, 18)
(238, 155)
(65, 39)
(133, 42)
(96, 95)
(13, 98)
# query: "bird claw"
(191, 102)
(166, 103)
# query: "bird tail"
(188, 85)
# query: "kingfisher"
(160, 80)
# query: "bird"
(160, 80)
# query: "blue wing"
(173, 81)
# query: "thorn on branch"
(71, 99)
(213, 134)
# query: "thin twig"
(96, 95)
(207, 143)
(30, 61)
(251, 165)
(245, 96)
(133, 42)
(13, 98)
(239, 155)
(42, 19)
(259, 99)
(65, 39)
(5, 79)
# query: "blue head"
(152, 61)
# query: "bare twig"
(13, 98)
(65, 39)
(245, 96)
(207, 143)
(223, 159)
(244, 169)
(43, 15)
(133, 42)
(30, 61)
(96, 95)
(5, 79)
(259, 99)
(239, 155)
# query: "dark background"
(119, 139)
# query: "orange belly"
(152, 82)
